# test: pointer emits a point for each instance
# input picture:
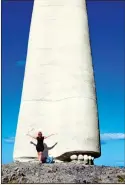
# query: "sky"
(106, 24)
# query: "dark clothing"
(40, 145)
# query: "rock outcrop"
(60, 173)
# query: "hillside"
(61, 173)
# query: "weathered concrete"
(59, 90)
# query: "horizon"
(106, 24)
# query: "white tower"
(58, 91)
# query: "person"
(40, 146)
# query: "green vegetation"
(121, 178)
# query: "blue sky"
(106, 22)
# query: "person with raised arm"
(40, 146)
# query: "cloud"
(112, 136)
(9, 139)
(120, 163)
(104, 137)
(21, 63)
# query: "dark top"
(40, 142)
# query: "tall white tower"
(58, 91)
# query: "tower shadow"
(46, 148)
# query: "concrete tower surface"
(58, 91)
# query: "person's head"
(39, 134)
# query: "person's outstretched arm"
(31, 136)
(48, 136)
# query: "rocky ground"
(60, 173)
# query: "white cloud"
(112, 136)
(121, 162)
(104, 137)
(9, 139)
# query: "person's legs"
(40, 156)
